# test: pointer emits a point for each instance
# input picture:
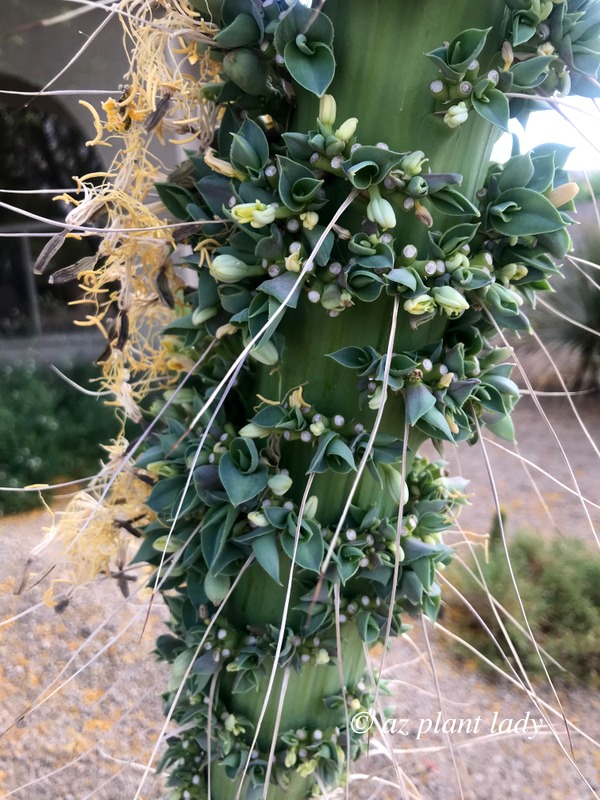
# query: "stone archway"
(42, 146)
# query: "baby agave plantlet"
(363, 252)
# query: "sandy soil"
(90, 738)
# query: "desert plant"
(353, 256)
(558, 582)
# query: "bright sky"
(545, 126)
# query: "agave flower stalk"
(369, 251)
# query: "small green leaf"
(176, 199)
(267, 555)
(504, 428)
(247, 70)
(312, 66)
(281, 287)
(297, 184)
(368, 629)
(216, 527)
(517, 172)
(452, 202)
(362, 359)
(465, 47)
(523, 212)
(456, 237)
(417, 400)
(302, 20)
(249, 149)
(530, 73)
(241, 487)
(332, 453)
(243, 31)
(493, 106)
(311, 239)
(369, 165)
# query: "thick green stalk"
(387, 89)
(306, 414)
(383, 78)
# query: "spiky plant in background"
(349, 255)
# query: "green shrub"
(49, 430)
(559, 582)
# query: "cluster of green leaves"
(236, 509)
(261, 46)
(569, 30)
(47, 430)
(559, 583)
(550, 46)
(443, 388)
(266, 197)
(238, 498)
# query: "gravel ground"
(90, 739)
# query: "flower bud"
(347, 129)
(445, 380)
(422, 304)
(309, 220)
(258, 519)
(311, 507)
(279, 484)
(293, 262)
(563, 194)
(180, 397)
(456, 115)
(220, 166)
(201, 315)
(412, 164)
(166, 469)
(257, 214)
(377, 399)
(417, 187)
(456, 261)
(450, 300)
(226, 330)
(381, 211)
(252, 431)
(327, 110)
(166, 544)
(393, 485)
(266, 354)
(421, 213)
(229, 269)
(506, 273)
(546, 49)
(331, 299)
(317, 428)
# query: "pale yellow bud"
(422, 304)
(563, 194)
(309, 220)
(220, 166)
(293, 262)
(347, 129)
(456, 115)
(327, 110)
